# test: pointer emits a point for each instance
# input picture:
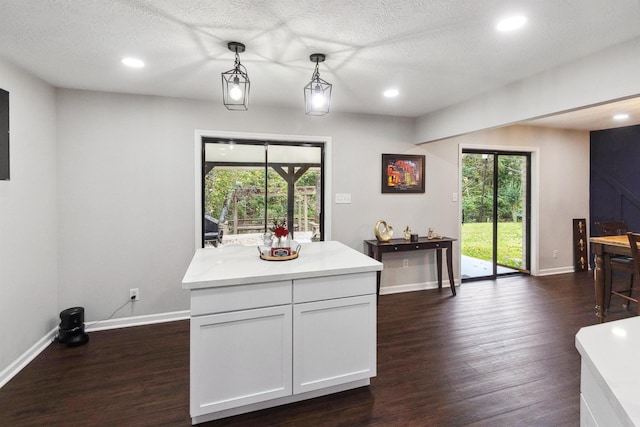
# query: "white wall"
(127, 192)
(611, 74)
(28, 217)
(123, 183)
(562, 184)
(126, 189)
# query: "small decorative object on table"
(433, 235)
(268, 241)
(407, 233)
(383, 231)
(280, 249)
(268, 257)
(413, 238)
(282, 246)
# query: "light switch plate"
(342, 198)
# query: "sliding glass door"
(495, 213)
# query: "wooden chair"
(634, 238)
(612, 228)
(619, 263)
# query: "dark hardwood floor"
(500, 353)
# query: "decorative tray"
(294, 255)
(266, 257)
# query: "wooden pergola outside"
(301, 222)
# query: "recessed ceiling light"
(391, 93)
(133, 62)
(511, 23)
(622, 116)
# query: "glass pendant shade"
(317, 93)
(235, 82)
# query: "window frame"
(204, 136)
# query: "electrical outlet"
(405, 263)
(555, 253)
(134, 294)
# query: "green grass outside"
(477, 242)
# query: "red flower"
(280, 228)
(280, 232)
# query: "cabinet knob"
(417, 246)
(395, 248)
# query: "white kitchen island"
(610, 373)
(267, 333)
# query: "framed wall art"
(4, 135)
(402, 173)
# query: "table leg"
(599, 288)
(377, 255)
(439, 267)
(450, 270)
(606, 267)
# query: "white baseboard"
(14, 368)
(126, 322)
(558, 270)
(26, 357)
(411, 287)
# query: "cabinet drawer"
(418, 246)
(240, 297)
(329, 287)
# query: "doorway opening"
(496, 214)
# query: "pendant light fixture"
(235, 82)
(317, 94)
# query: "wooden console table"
(375, 249)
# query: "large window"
(247, 185)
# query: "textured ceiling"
(593, 118)
(435, 52)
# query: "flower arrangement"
(280, 228)
(280, 231)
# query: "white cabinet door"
(334, 342)
(239, 358)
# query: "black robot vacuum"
(71, 330)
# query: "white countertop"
(233, 265)
(612, 353)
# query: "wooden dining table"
(604, 247)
